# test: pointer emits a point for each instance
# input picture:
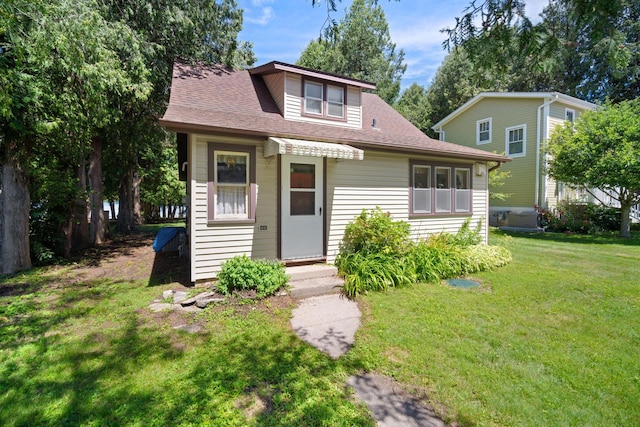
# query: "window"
(463, 190)
(421, 189)
(335, 101)
(569, 115)
(324, 100)
(439, 188)
(516, 140)
(483, 131)
(231, 183)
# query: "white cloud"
(260, 3)
(267, 16)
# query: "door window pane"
(303, 175)
(303, 203)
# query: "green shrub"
(374, 232)
(582, 218)
(435, 259)
(241, 273)
(374, 272)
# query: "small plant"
(374, 272)
(241, 273)
(581, 218)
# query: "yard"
(551, 339)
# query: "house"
(279, 158)
(519, 125)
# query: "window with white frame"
(232, 189)
(569, 115)
(439, 189)
(516, 137)
(324, 100)
(483, 131)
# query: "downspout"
(440, 133)
(538, 146)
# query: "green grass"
(550, 339)
(91, 353)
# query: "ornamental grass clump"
(241, 273)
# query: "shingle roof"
(212, 99)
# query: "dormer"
(312, 96)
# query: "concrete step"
(314, 287)
(307, 272)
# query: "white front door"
(302, 207)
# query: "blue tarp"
(165, 235)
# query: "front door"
(302, 207)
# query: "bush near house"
(378, 254)
(581, 218)
(241, 273)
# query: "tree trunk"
(80, 216)
(98, 221)
(625, 223)
(137, 211)
(15, 203)
(112, 206)
(124, 224)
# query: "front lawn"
(551, 339)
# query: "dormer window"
(324, 100)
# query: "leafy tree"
(60, 63)
(592, 46)
(413, 106)
(602, 150)
(360, 47)
(189, 30)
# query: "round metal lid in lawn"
(463, 283)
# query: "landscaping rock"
(203, 302)
(187, 309)
(179, 296)
(168, 294)
(160, 306)
(192, 300)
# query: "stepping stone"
(328, 322)
(390, 405)
(191, 328)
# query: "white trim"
(490, 130)
(524, 140)
(570, 100)
(573, 114)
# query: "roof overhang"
(301, 147)
(275, 66)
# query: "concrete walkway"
(329, 323)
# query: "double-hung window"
(324, 100)
(483, 131)
(516, 138)
(232, 189)
(569, 115)
(438, 189)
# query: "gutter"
(539, 143)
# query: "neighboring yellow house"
(517, 124)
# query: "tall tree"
(60, 63)
(360, 47)
(189, 30)
(602, 150)
(592, 46)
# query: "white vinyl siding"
(212, 244)
(382, 179)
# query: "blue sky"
(281, 29)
